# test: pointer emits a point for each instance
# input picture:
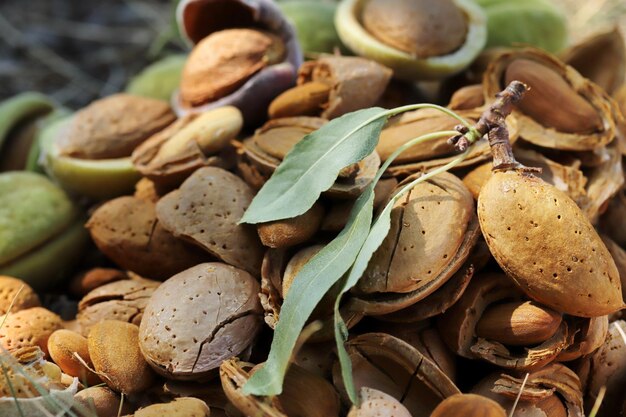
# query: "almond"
(30, 327)
(17, 292)
(63, 346)
(114, 351)
(518, 324)
(551, 100)
(307, 99)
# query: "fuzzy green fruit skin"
(546, 244)
(314, 23)
(530, 22)
(158, 80)
(96, 179)
(50, 264)
(32, 210)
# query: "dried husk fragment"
(205, 211)
(601, 58)
(619, 256)
(374, 403)
(112, 127)
(417, 39)
(199, 318)
(352, 83)
(278, 271)
(392, 280)
(612, 221)
(192, 142)
(433, 153)
(589, 334)
(198, 19)
(574, 272)
(123, 300)
(388, 364)
(606, 367)
(127, 230)
(458, 327)
(552, 391)
(468, 405)
(563, 110)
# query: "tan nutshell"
(375, 403)
(103, 400)
(94, 278)
(198, 318)
(113, 126)
(468, 405)
(206, 210)
(544, 242)
(63, 346)
(180, 407)
(422, 28)
(127, 230)
(114, 351)
(293, 231)
(121, 300)
(467, 98)
(225, 60)
(518, 323)
(17, 292)
(30, 327)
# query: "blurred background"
(78, 50)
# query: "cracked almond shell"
(554, 390)
(458, 327)
(437, 216)
(406, 65)
(375, 403)
(390, 365)
(198, 318)
(123, 300)
(127, 231)
(205, 211)
(563, 110)
(545, 243)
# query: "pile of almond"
(129, 287)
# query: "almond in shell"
(30, 327)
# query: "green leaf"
(374, 239)
(313, 164)
(308, 288)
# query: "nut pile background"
(128, 285)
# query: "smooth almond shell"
(17, 292)
(113, 126)
(114, 351)
(30, 327)
(307, 99)
(416, 27)
(468, 405)
(544, 242)
(63, 345)
(180, 407)
(518, 324)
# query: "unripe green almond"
(545, 243)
